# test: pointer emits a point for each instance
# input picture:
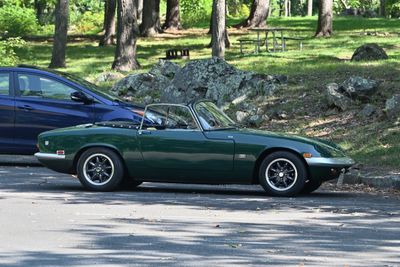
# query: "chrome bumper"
(340, 162)
(41, 155)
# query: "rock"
(141, 85)
(212, 78)
(241, 116)
(392, 106)
(148, 100)
(369, 52)
(336, 97)
(165, 68)
(108, 77)
(367, 111)
(359, 87)
(255, 120)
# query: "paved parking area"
(47, 219)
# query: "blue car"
(34, 100)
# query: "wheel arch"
(87, 147)
(269, 151)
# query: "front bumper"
(324, 169)
(330, 162)
(48, 156)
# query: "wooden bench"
(300, 39)
(243, 41)
(177, 53)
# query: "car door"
(7, 112)
(44, 103)
(175, 143)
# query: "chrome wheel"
(98, 169)
(281, 174)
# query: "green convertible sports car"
(194, 143)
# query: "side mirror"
(78, 96)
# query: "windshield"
(92, 87)
(211, 117)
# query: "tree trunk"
(139, 5)
(309, 7)
(227, 42)
(219, 29)
(173, 18)
(286, 6)
(325, 18)
(109, 23)
(258, 15)
(40, 7)
(151, 18)
(60, 34)
(382, 8)
(127, 32)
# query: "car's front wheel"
(100, 169)
(282, 174)
(310, 186)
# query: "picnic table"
(278, 39)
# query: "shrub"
(194, 11)
(17, 21)
(8, 57)
(88, 22)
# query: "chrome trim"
(41, 155)
(330, 161)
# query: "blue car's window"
(41, 87)
(4, 84)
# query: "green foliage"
(17, 21)
(238, 10)
(88, 22)
(393, 8)
(8, 57)
(194, 11)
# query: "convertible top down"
(194, 143)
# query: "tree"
(60, 34)
(258, 15)
(325, 17)
(309, 7)
(382, 8)
(127, 33)
(109, 23)
(218, 29)
(173, 18)
(139, 5)
(151, 18)
(210, 31)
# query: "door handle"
(26, 107)
(143, 132)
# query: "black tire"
(100, 169)
(286, 174)
(129, 183)
(310, 186)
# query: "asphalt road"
(47, 219)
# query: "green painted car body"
(225, 156)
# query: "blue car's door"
(43, 103)
(7, 112)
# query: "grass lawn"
(375, 142)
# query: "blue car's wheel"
(282, 174)
(100, 169)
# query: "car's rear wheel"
(100, 169)
(282, 174)
(310, 186)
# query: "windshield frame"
(193, 107)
